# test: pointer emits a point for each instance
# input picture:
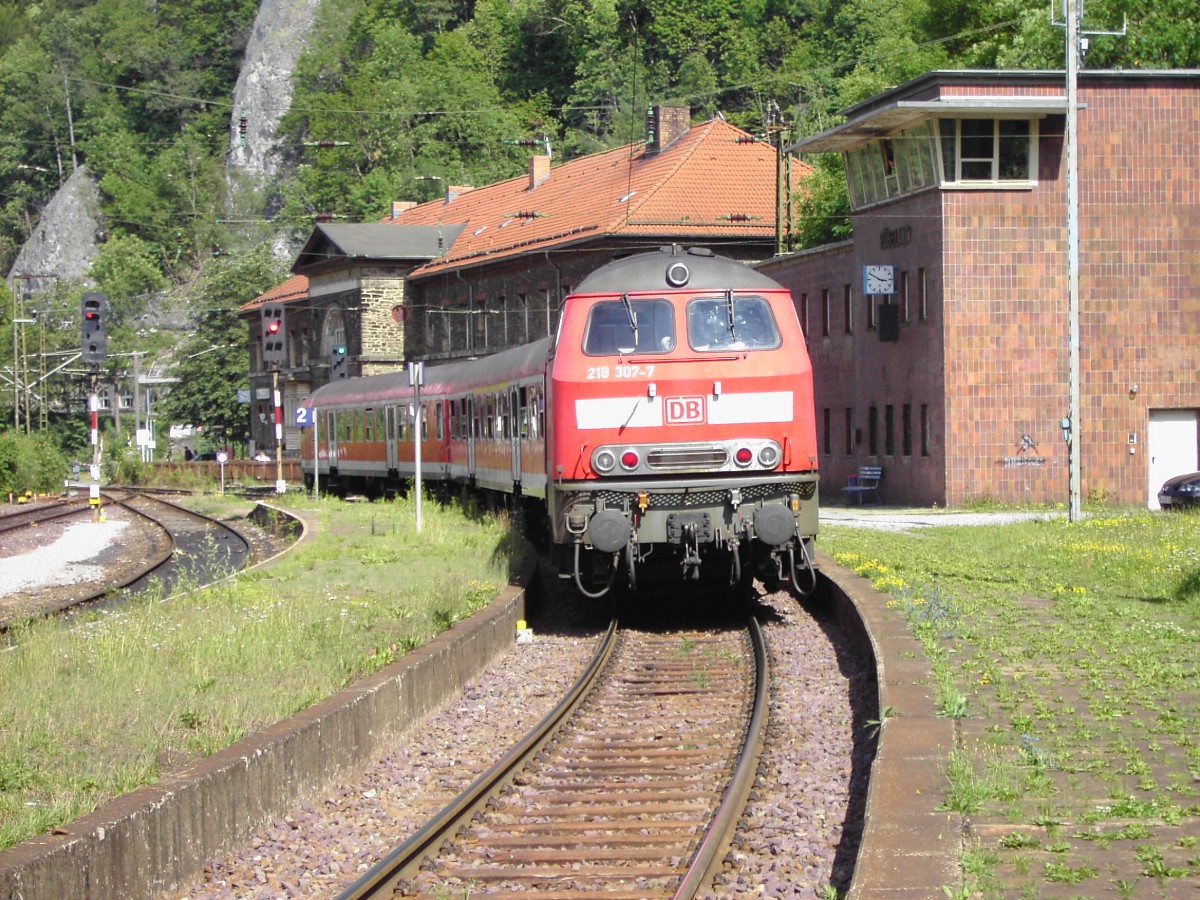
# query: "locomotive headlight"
(743, 457)
(603, 461)
(768, 456)
(630, 459)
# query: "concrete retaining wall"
(909, 847)
(160, 836)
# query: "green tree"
(823, 205)
(213, 362)
(127, 271)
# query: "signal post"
(93, 338)
(274, 352)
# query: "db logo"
(684, 410)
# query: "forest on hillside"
(139, 90)
(393, 99)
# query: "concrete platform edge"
(909, 848)
(160, 836)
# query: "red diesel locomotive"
(671, 415)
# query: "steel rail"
(404, 860)
(710, 854)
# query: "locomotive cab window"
(731, 323)
(629, 326)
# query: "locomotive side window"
(731, 323)
(629, 326)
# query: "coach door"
(393, 462)
(331, 437)
(472, 428)
(515, 415)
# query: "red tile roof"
(705, 185)
(711, 183)
(294, 288)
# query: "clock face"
(878, 279)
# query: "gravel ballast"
(799, 833)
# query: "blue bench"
(865, 483)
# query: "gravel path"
(60, 561)
(800, 833)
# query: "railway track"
(631, 788)
(173, 546)
(199, 548)
(42, 512)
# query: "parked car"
(1182, 490)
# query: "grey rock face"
(263, 92)
(66, 239)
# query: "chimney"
(664, 124)
(539, 170)
(454, 191)
(400, 206)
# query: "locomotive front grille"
(674, 458)
(686, 499)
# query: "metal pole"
(316, 455)
(417, 443)
(1074, 446)
(94, 493)
(280, 484)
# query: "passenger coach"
(673, 413)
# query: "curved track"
(24, 517)
(630, 788)
(201, 549)
(176, 547)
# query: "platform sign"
(304, 417)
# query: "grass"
(1067, 653)
(117, 699)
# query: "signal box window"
(630, 326)
(731, 323)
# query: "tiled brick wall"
(990, 363)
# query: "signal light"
(93, 332)
(274, 338)
(337, 365)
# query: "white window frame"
(994, 181)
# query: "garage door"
(1172, 447)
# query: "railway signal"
(94, 328)
(274, 337)
(337, 363)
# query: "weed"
(1061, 873)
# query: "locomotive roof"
(508, 364)
(660, 270)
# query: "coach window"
(731, 323)
(441, 422)
(369, 425)
(629, 326)
(505, 423)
